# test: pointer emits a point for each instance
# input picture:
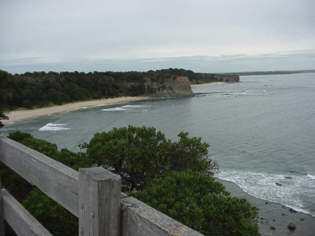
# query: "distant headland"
(34, 94)
(41, 89)
(273, 72)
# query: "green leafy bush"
(140, 153)
(202, 203)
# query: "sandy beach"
(27, 114)
(21, 115)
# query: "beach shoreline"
(22, 115)
(274, 218)
(28, 114)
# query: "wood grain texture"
(139, 219)
(53, 178)
(99, 201)
(21, 221)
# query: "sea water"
(261, 131)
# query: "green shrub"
(200, 202)
(140, 153)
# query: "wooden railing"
(92, 194)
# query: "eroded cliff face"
(176, 86)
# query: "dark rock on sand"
(291, 227)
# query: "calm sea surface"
(261, 131)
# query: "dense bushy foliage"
(202, 203)
(140, 153)
(40, 89)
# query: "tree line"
(39, 89)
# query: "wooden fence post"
(1, 211)
(99, 202)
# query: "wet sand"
(21, 115)
(274, 218)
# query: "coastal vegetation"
(41, 89)
(200, 202)
(139, 154)
(175, 177)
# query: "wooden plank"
(1, 212)
(99, 201)
(53, 178)
(142, 220)
(20, 220)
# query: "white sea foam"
(287, 190)
(83, 108)
(127, 108)
(114, 109)
(311, 176)
(136, 106)
(53, 127)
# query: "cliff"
(176, 86)
(173, 86)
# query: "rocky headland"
(42, 89)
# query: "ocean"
(261, 131)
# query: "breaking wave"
(53, 127)
(136, 106)
(293, 191)
(114, 109)
(128, 108)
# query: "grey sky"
(217, 35)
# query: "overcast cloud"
(203, 35)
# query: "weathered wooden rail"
(92, 194)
